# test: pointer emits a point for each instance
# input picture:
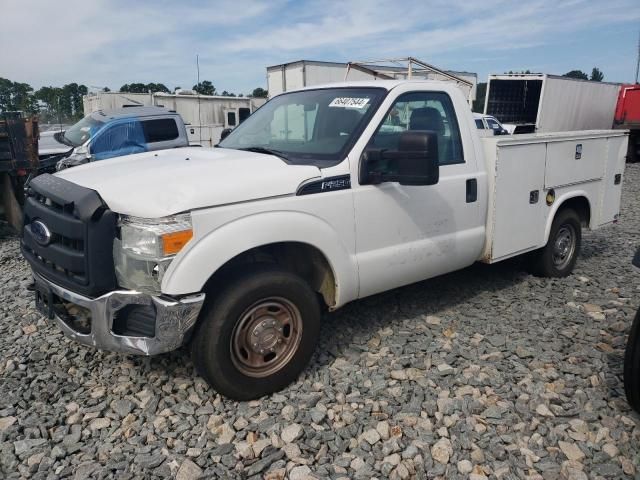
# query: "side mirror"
(225, 133)
(414, 163)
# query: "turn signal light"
(173, 242)
(551, 197)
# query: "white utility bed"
(573, 163)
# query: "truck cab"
(112, 133)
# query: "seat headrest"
(426, 118)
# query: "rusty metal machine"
(18, 160)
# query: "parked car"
(319, 198)
(112, 133)
(490, 124)
(632, 357)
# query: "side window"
(160, 130)
(431, 111)
(479, 124)
(243, 113)
(493, 124)
(119, 139)
(231, 119)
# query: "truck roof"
(129, 112)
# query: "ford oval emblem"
(41, 232)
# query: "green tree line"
(51, 103)
(596, 75)
(64, 104)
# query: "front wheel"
(558, 257)
(632, 365)
(257, 334)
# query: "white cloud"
(59, 42)
(434, 27)
(103, 42)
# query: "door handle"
(472, 190)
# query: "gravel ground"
(484, 373)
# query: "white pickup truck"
(323, 196)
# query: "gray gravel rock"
(188, 471)
(292, 433)
(484, 373)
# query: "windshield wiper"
(268, 151)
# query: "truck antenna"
(198, 85)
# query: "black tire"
(548, 262)
(632, 365)
(214, 346)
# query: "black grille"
(79, 254)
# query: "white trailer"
(543, 103)
(306, 73)
(205, 116)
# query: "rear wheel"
(558, 257)
(257, 334)
(632, 365)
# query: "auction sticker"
(349, 102)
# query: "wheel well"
(303, 259)
(581, 206)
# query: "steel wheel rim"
(564, 246)
(266, 337)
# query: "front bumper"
(174, 319)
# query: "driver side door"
(407, 233)
(121, 138)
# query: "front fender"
(191, 269)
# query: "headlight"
(155, 238)
(79, 156)
(146, 248)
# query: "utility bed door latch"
(617, 179)
(472, 190)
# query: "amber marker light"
(173, 242)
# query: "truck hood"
(165, 182)
(48, 145)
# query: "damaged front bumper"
(121, 321)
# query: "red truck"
(628, 116)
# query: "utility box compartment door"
(574, 161)
(519, 201)
(611, 188)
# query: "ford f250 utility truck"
(323, 196)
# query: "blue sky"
(112, 42)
